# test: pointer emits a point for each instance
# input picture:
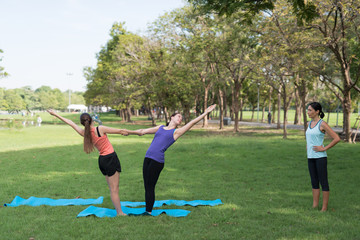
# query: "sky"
(48, 43)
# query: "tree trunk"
(236, 93)
(225, 103)
(297, 120)
(166, 113)
(205, 121)
(153, 121)
(302, 93)
(221, 107)
(187, 114)
(347, 114)
(273, 113)
(263, 114)
(279, 109)
(285, 113)
(270, 93)
(123, 116)
(241, 108)
(286, 102)
(128, 112)
(158, 113)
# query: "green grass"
(262, 180)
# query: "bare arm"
(152, 130)
(179, 132)
(125, 132)
(325, 127)
(77, 128)
(109, 130)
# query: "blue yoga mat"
(35, 201)
(106, 212)
(160, 203)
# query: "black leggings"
(318, 173)
(151, 173)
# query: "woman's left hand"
(318, 148)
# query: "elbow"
(337, 139)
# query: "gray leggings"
(318, 173)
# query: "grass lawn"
(262, 180)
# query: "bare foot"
(324, 210)
(121, 214)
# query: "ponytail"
(317, 107)
(86, 121)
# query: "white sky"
(44, 40)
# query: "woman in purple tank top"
(154, 160)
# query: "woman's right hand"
(51, 111)
(124, 132)
(209, 109)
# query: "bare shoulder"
(324, 126)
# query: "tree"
(198, 36)
(47, 98)
(239, 55)
(114, 81)
(29, 97)
(304, 10)
(338, 67)
(14, 102)
(2, 73)
(289, 48)
(3, 104)
(174, 33)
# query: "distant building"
(99, 108)
(77, 108)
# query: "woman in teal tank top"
(316, 153)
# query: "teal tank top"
(314, 137)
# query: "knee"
(114, 190)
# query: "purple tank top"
(163, 139)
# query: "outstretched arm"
(125, 132)
(67, 121)
(179, 132)
(141, 132)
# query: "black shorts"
(109, 164)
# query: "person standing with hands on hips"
(154, 160)
(316, 153)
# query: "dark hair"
(86, 120)
(173, 115)
(317, 106)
